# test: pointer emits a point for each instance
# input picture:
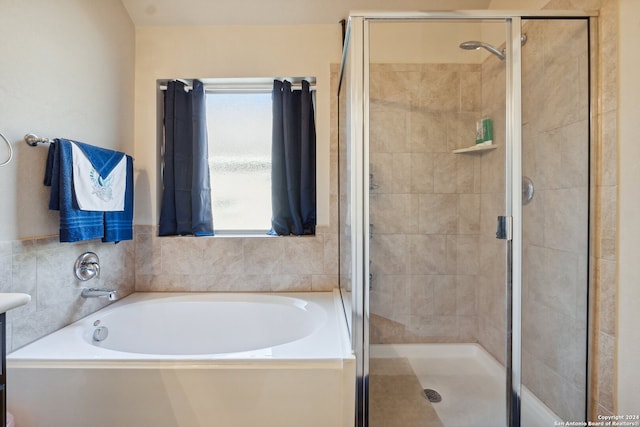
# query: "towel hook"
(6, 162)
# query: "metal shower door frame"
(358, 31)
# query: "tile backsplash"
(43, 268)
(235, 264)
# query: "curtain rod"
(240, 85)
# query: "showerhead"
(475, 45)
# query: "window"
(239, 130)
(239, 119)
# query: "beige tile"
(401, 163)
(559, 342)
(493, 88)
(290, 283)
(562, 93)
(427, 132)
(452, 254)
(331, 254)
(492, 174)
(439, 90)
(263, 255)
(389, 252)
(56, 284)
(467, 328)
(564, 39)
(575, 155)
(466, 295)
(548, 161)
(565, 220)
(444, 295)
(608, 45)
(422, 298)
(465, 174)
(303, 255)
(468, 255)
(445, 173)
(324, 282)
(147, 253)
(444, 326)
(607, 296)
(533, 219)
(461, 130)
(394, 213)
(182, 255)
(387, 132)
(608, 150)
(427, 254)
(222, 256)
(381, 172)
(398, 88)
(471, 91)
(559, 395)
(491, 205)
(438, 213)
(469, 213)
(421, 173)
(606, 371)
(554, 279)
(390, 297)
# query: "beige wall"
(420, 42)
(229, 51)
(628, 369)
(67, 71)
(61, 64)
(229, 263)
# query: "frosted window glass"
(239, 127)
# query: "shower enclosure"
(464, 267)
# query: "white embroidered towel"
(93, 192)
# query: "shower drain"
(431, 395)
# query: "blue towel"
(118, 225)
(76, 224)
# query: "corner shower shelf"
(475, 149)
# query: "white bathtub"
(191, 359)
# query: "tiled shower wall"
(424, 202)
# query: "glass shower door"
(436, 273)
(555, 261)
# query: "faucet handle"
(87, 266)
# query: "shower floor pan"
(470, 382)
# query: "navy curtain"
(186, 197)
(293, 159)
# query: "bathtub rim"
(330, 300)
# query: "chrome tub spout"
(110, 294)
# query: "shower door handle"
(504, 228)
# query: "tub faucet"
(110, 294)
